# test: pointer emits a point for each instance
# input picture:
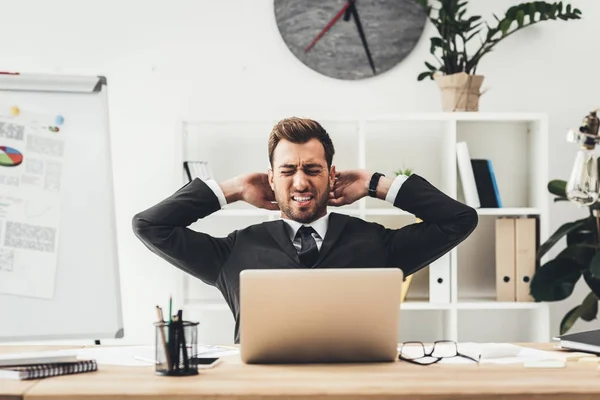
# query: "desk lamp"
(582, 186)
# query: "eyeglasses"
(418, 353)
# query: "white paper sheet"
(142, 356)
(30, 210)
(491, 353)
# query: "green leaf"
(555, 280)
(593, 283)
(580, 253)
(569, 319)
(520, 17)
(424, 75)
(595, 265)
(431, 67)
(587, 310)
(532, 11)
(435, 43)
(585, 235)
(556, 236)
(558, 187)
(505, 26)
(589, 307)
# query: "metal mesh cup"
(176, 344)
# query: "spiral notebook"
(37, 371)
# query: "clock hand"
(361, 33)
(328, 26)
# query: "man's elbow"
(139, 225)
(468, 221)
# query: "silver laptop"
(319, 315)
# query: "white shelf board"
(424, 305)
(459, 116)
(507, 211)
(491, 304)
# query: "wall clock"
(350, 39)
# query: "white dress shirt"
(320, 225)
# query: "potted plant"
(556, 279)
(456, 69)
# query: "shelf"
(509, 211)
(491, 304)
(424, 305)
(385, 142)
(459, 116)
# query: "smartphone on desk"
(205, 362)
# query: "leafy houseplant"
(404, 171)
(556, 279)
(456, 67)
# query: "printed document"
(31, 161)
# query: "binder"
(525, 249)
(467, 178)
(439, 280)
(505, 259)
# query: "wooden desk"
(235, 380)
(14, 390)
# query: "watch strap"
(373, 184)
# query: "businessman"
(301, 183)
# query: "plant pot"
(460, 92)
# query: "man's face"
(301, 180)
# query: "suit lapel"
(278, 230)
(337, 222)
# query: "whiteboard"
(59, 275)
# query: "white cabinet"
(515, 143)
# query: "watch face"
(350, 39)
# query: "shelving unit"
(426, 142)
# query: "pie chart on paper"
(10, 157)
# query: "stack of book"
(25, 366)
(478, 180)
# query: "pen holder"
(176, 344)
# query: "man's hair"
(300, 130)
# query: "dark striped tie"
(308, 250)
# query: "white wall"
(189, 59)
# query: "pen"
(163, 339)
(186, 364)
(170, 309)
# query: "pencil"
(162, 336)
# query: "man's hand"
(350, 186)
(252, 188)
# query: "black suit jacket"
(349, 241)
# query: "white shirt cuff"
(214, 186)
(395, 188)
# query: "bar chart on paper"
(10, 157)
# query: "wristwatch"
(373, 184)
